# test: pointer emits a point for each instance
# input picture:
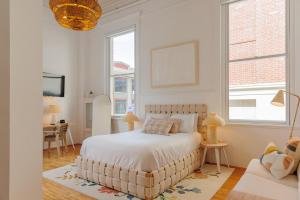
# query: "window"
(120, 106)
(122, 72)
(256, 59)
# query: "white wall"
(167, 22)
(4, 99)
(21, 100)
(60, 56)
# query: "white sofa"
(258, 184)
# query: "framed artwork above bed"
(175, 65)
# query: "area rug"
(201, 185)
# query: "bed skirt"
(144, 185)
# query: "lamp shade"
(214, 120)
(130, 117)
(278, 100)
(76, 14)
(53, 109)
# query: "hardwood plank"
(229, 184)
(54, 191)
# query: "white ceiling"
(109, 5)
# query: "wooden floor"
(53, 191)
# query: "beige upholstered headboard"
(201, 109)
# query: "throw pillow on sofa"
(292, 148)
(276, 162)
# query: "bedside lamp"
(212, 122)
(278, 100)
(54, 110)
(130, 118)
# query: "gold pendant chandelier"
(81, 15)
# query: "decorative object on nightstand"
(54, 110)
(130, 118)
(219, 148)
(212, 122)
(278, 100)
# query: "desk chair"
(59, 133)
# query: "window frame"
(109, 60)
(225, 65)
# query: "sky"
(123, 48)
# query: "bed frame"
(146, 185)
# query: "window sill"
(116, 117)
(272, 125)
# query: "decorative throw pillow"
(149, 116)
(176, 125)
(158, 126)
(276, 162)
(188, 122)
(292, 148)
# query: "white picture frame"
(175, 65)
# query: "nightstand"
(219, 148)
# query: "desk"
(50, 129)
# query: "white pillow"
(276, 162)
(189, 122)
(155, 116)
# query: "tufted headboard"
(201, 109)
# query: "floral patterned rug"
(201, 185)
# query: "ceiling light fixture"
(79, 15)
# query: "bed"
(143, 165)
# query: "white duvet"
(139, 151)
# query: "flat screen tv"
(53, 85)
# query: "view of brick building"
(257, 58)
(122, 73)
(122, 88)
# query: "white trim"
(120, 31)
(265, 86)
(288, 60)
(224, 2)
(259, 57)
(225, 63)
(268, 125)
(223, 41)
(115, 11)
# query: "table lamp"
(130, 118)
(54, 110)
(279, 101)
(212, 122)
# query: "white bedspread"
(139, 151)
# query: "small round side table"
(219, 147)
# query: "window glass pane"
(253, 73)
(252, 86)
(123, 53)
(122, 73)
(120, 106)
(120, 84)
(256, 28)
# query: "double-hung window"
(256, 58)
(122, 72)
